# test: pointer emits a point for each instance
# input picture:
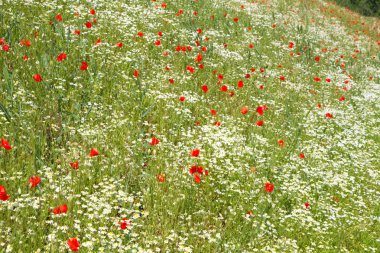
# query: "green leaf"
(6, 112)
(9, 80)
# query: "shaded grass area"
(364, 7)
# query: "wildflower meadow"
(188, 126)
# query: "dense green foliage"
(365, 7)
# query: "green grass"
(52, 123)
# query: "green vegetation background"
(365, 7)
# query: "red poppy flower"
(119, 45)
(84, 66)
(269, 187)
(77, 32)
(157, 42)
(34, 181)
(61, 57)
(197, 178)
(58, 18)
(240, 84)
(236, 19)
(37, 78)
(307, 205)
(60, 209)
(140, 34)
(171, 81)
(2, 41)
(280, 143)
(247, 76)
(317, 79)
(217, 123)
(125, 223)
(259, 123)
(3, 194)
(6, 47)
(73, 244)
(342, 98)
(94, 152)
(329, 115)
(317, 58)
(179, 13)
(328, 80)
(204, 49)
(224, 88)
(291, 44)
(199, 58)
(213, 112)
(74, 165)
(196, 169)
(5, 144)
(204, 88)
(195, 152)
(88, 24)
(25, 42)
(244, 110)
(301, 155)
(190, 69)
(136, 73)
(154, 141)
(160, 178)
(182, 98)
(25, 57)
(92, 12)
(282, 78)
(260, 110)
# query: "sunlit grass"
(287, 128)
